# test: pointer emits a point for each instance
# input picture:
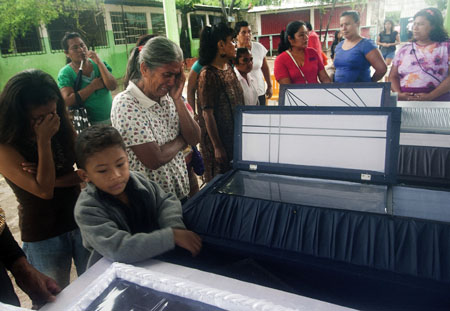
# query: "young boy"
(122, 215)
(243, 65)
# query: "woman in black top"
(387, 40)
(37, 159)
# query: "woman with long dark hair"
(338, 37)
(387, 40)
(219, 93)
(36, 159)
(420, 68)
(296, 62)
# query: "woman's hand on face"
(46, 128)
(92, 55)
(177, 90)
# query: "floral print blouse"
(422, 66)
(141, 120)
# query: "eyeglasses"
(76, 47)
(233, 41)
(247, 59)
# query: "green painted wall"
(171, 20)
(51, 62)
(195, 46)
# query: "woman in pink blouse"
(420, 68)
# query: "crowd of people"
(122, 200)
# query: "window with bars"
(128, 27)
(197, 24)
(91, 22)
(158, 24)
(214, 19)
(30, 43)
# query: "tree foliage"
(394, 16)
(328, 6)
(185, 7)
(20, 16)
(229, 5)
(439, 4)
(324, 7)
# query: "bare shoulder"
(10, 160)
(7, 151)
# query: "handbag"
(78, 112)
(197, 162)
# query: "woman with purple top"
(420, 68)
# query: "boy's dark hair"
(95, 139)
(239, 25)
(239, 53)
(308, 26)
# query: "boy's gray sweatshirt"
(105, 230)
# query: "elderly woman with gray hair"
(153, 120)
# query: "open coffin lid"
(343, 143)
(336, 95)
(331, 157)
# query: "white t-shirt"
(259, 53)
(248, 88)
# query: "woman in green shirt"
(97, 80)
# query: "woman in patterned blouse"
(219, 92)
(420, 68)
(153, 120)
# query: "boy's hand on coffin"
(187, 240)
(220, 155)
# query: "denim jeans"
(53, 256)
